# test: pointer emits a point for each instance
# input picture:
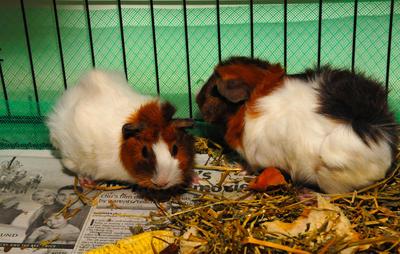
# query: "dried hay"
(280, 220)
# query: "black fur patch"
(358, 100)
(303, 76)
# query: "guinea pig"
(328, 128)
(105, 130)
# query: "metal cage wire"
(10, 118)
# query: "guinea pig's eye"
(145, 152)
(174, 151)
(214, 91)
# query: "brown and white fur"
(309, 125)
(107, 131)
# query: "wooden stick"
(218, 168)
(273, 245)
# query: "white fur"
(167, 167)
(86, 124)
(290, 135)
(351, 163)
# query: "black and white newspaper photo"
(41, 211)
(33, 192)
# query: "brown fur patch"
(140, 168)
(220, 107)
(149, 114)
(234, 130)
(250, 74)
(271, 79)
(156, 119)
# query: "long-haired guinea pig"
(328, 128)
(105, 130)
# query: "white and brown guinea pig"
(329, 128)
(105, 130)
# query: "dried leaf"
(318, 222)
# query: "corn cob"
(144, 243)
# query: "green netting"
(172, 57)
(337, 35)
(75, 42)
(203, 47)
(139, 49)
(21, 127)
(268, 32)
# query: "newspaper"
(34, 188)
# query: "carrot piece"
(269, 177)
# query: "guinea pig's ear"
(183, 123)
(131, 130)
(167, 110)
(233, 90)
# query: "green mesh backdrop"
(21, 118)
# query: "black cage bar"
(89, 24)
(389, 44)
(121, 28)
(59, 44)
(118, 3)
(3, 85)
(28, 45)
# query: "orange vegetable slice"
(269, 177)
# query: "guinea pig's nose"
(160, 183)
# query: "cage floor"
(17, 129)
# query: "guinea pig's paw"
(307, 196)
(243, 173)
(195, 179)
(86, 182)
